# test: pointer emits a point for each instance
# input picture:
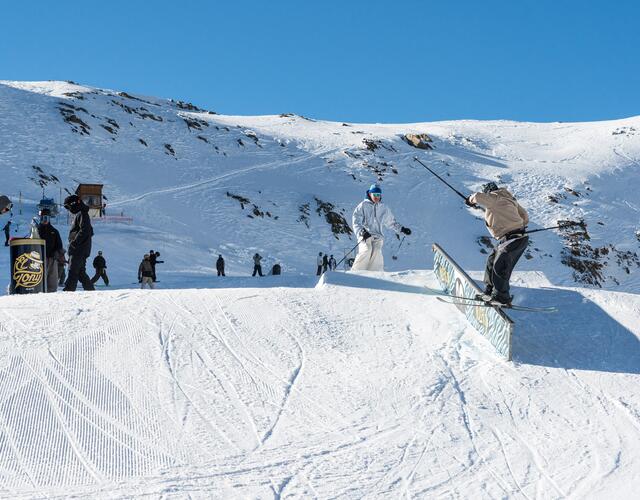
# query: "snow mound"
(364, 385)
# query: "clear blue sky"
(360, 61)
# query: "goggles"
(376, 195)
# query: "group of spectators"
(147, 269)
(325, 263)
(276, 269)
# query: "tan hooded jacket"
(502, 213)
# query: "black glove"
(365, 235)
(468, 203)
(139, 280)
(406, 231)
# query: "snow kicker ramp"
(364, 386)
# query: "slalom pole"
(348, 253)
(440, 178)
(395, 257)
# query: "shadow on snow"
(581, 335)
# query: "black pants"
(257, 269)
(319, 271)
(221, 272)
(77, 271)
(101, 272)
(500, 263)
(6, 238)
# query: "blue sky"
(357, 61)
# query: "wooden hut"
(91, 195)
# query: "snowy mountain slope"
(184, 185)
(365, 386)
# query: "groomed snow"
(363, 386)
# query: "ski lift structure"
(49, 204)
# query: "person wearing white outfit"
(369, 219)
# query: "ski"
(483, 303)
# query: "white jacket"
(373, 217)
(319, 260)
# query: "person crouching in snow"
(369, 218)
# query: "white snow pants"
(369, 256)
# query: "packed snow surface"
(348, 386)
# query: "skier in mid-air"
(506, 220)
(369, 219)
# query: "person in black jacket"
(220, 266)
(325, 263)
(100, 265)
(53, 248)
(153, 259)
(7, 232)
(80, 235)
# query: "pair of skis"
(479, 302)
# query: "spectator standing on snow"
(61, 262)
(220, 265)
(506, 220)
(332, 263)
(80, 235)
(100, 265)
(53, 247)
(325, 263)
(319, 264)
(257, 267)
(153, 258)
(145, 272)
(7, 232)
(369, 219)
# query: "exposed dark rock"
(108, 129)
(142, 141)
(194, 123)
(337, 221)
(420, 141)
(305, 212)
(169, 150)
(41, 178)
(77, 125)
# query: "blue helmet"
(374, 188)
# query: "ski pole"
(561, 226)
(395, 257)
(445, 182)
(348, 253)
